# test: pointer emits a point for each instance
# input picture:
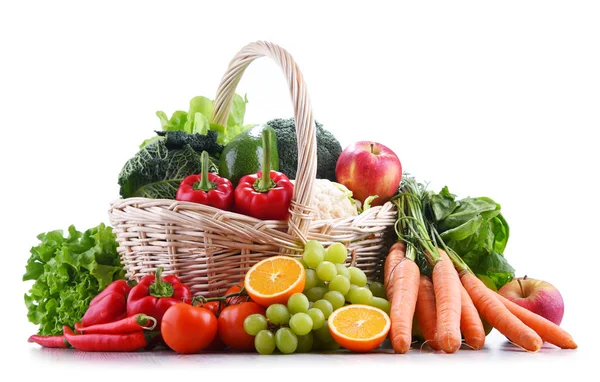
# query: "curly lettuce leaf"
(176, 123)
(67, 273)
(197, 120)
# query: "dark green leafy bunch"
(328, 149)
(67, 273)
(157, 170)
(476, 230)
(175, 140)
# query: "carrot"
(446, 285)
(425, 312)
(401, 279)
(547, 330)
(396, 254)
(494, 312)
(470, 322)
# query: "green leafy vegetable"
(157, 170)
(197, 120)
(176, 123)
(198, 115)
(68, 273)
(476, 230)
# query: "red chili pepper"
(264, 197)
(50, 341)
(206, 188)
(108, 342)
(155, 294)
(126, 325)
(109, 305)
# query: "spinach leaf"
(468, 209)
(442, 204)
(476, 230)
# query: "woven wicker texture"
(210, 249)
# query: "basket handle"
(300, 210)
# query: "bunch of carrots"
(448, 306)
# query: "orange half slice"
(274, 280)
(359, 328)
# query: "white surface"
(498, 99)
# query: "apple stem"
(371, 148)
(521, 286)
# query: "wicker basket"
(211, 249)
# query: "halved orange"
(274, 280)
(359, 328)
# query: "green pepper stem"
(161, 288)
(204, 184)
(265, 183)
(265, 180)
(143, 321)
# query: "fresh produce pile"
(446, 282)
(442, 294)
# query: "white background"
(490, 98)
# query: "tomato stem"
(204, 300)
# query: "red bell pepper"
(155, 294)
(267, 194)
(109, 305)
(206, 188)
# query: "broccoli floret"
(328, 149)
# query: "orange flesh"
(360, 323)
(274, 276)
(274, 280)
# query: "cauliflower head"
(333, 201)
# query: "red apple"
(538, 296)
(369, 168)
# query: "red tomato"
(188, 329)
(231, 325)
(236, 299)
